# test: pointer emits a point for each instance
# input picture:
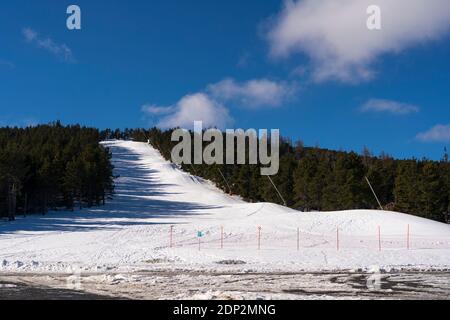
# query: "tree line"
(316, 179)
(49, 167)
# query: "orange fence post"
(259, 238)
(337, 239)
(408, 246)
(379, 238)
(171, 236)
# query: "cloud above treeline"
(190, 108)
(438, 133)
(209, 105)
(334, 36)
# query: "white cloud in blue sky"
(438, 133)
(190, 108)
(156, 110)
(62, 51)
(389, 106)
(209, 105)
(334, 36)
(254, 93)
(6, 63)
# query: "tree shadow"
(132, 205)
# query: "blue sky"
(237, 63)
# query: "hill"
(153, 197)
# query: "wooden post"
(379, 238)
(199, 243)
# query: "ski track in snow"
(132, 232)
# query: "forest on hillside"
(315, 179)
(51, 167)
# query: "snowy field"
(153, 223)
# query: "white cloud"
(208, 106)
(29, 34)
(253, 93)
(194, 107)
(156, 110)
(7, 63)
(439, 133)
(334, 35)
(379, 105)
(60, 50)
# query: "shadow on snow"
(132, 204)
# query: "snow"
(132, 232)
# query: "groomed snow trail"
(132, 232)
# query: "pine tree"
(13, 169)
(433, 195)
(406, 190)
(33, 163)
(349, 173)
(73, 182)
(308, 183)
(381, 174)
(445, 177)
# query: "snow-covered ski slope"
(153, 197)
